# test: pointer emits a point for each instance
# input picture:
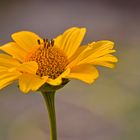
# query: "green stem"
(50, 103)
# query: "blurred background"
(107, 110)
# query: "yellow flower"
(35, 61)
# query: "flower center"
(50, 59)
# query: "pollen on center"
(51, 60)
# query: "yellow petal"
(104, 63)
(103, 44)
(27, 40)
(98, 49)
(14, 50)
(3, 69)
(7, 78)
(8, 61)
(58, 80)
(76, 54)
(107, 58)
(6, 56)
(29, 82)
(94, 51)
(80, 54)
(57, 41)
(29, 67)
(85, 72)
(70, 40)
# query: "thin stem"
(50, 103)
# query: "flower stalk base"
(49, 98)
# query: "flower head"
(35, 61)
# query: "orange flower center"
(50, 59)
